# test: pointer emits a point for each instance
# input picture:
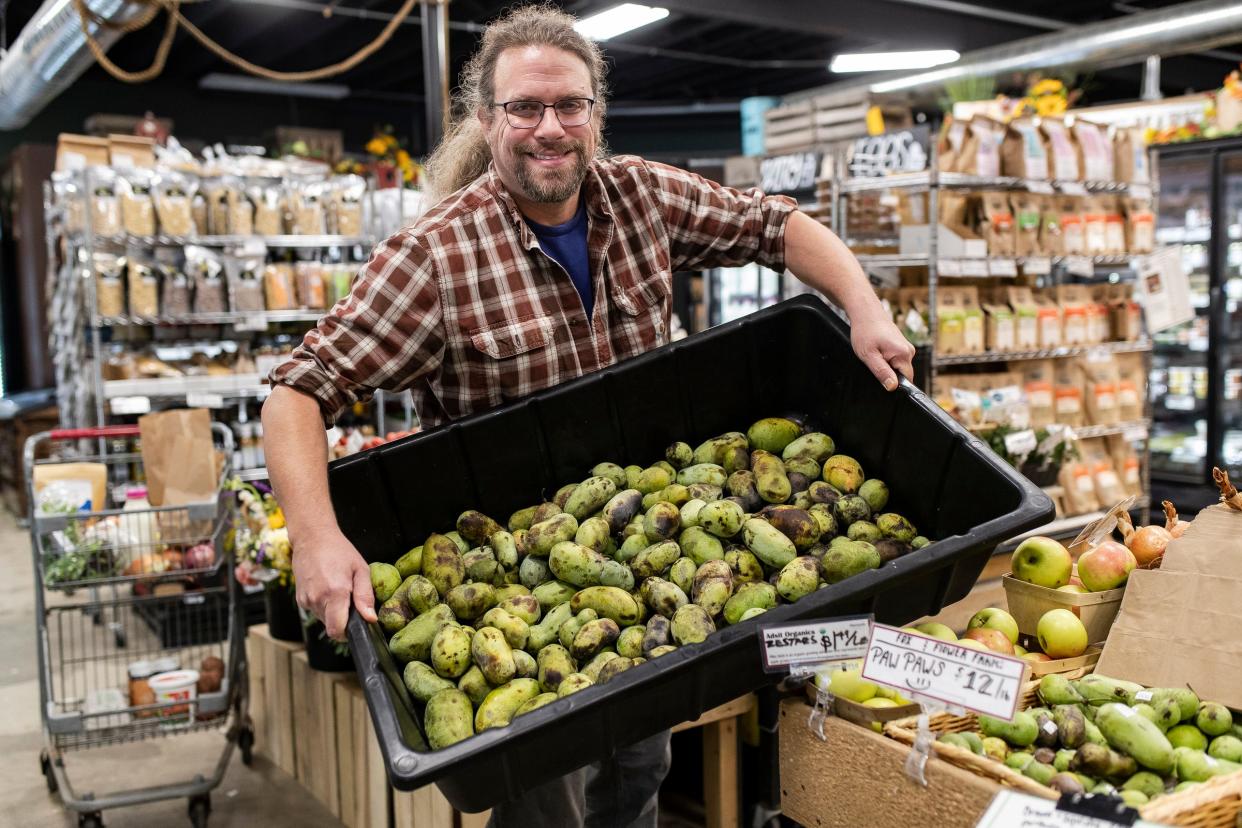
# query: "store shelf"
(925, 180)
(949, 266)
(1133, 427)
(1047, 353)
(250, 475)
(234, 386)
(1066, 527)
(320, 240)
(251, 318)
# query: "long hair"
(463, 154)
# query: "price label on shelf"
(251, 323)
(1142, 191)
(977, 680)
(1041, 187)
(1002, 267)
(1080, 265)
(1074, 188)
(200, 399)
(130, 405)
(1135, 433)
(1179, 402)
(1020, 443)
(1010, 809)
(949, 267)
(799, 648)
(974, 267)
(1037, 266)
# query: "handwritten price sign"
(977, 680)
(791, 647)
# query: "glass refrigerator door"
(1229, 320)
(1179, 378)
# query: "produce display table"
(333, 753)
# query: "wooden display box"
(271, 696)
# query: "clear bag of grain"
(174, 196)
(137, 207)
(176, 298)
(204, 267)
(109, 284)
(269, 208)
(307, 203)
(105, 206)
(238, 207)
(144, 286)
(245, 276)
(348, 192)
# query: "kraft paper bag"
(179, 457)
(1212, 545)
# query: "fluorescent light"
(619, 20)
(262, 86)
(880, 61)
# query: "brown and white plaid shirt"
(465, 309)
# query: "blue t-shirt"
(567, 244)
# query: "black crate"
(792, 359)
(188, 620)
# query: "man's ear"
(485, 117)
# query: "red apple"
(1043, 562)
(1106, 566)
(1036, 657)
(994, 640)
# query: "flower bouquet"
(265, 557)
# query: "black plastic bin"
(791, 359)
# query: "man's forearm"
(297, 463)
(815, 255)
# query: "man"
(545, 260)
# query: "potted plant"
(261, 542)
(322, 653)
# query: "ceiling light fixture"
(619, 20)
(261, 86)
(883, 61)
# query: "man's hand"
(330, 574)
(882, 348)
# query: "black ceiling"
(705, 51)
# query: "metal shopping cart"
(127, 601)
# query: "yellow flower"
(390, 140)
(1048, 86)
(1049, 105)
(276, 519)
(403, 158)
(376, 146)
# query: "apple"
(890, 693)
(1019, 650)
(1076, 589)
(994, 640)
(1035, 657)
(878, 727)
(1061, 634)
(993, 618)
(1106, 566)
(849, 684)
(937, 630)
(973, 644)
(1043, 562)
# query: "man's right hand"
(330, 575)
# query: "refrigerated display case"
(1196, 380)
(734, 292)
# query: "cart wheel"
(91, 820)
(200, 809)
(245, 741)
(45, 764)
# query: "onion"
(1176, 527)
(200, 556)
(1147, 542)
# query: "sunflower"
(377, 147)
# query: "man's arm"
(815, 255)
(328, 569)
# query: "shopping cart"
(127, 600)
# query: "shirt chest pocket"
(510, 339)
(644, 313)
(513, 359)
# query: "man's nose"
(549, 125)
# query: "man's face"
(548, 163)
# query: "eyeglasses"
(571, 112)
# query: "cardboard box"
(75, 152)
(951, 242)
(126, 151)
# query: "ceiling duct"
(51, 53)
(1172, 30)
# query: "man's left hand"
(882, 348)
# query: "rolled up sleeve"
(387, 334)
(710, 225)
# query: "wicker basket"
(1216, 803)
(905, 730)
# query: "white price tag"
(949, 267)
(1020, 442)
(790, 646)
(200, 399)
(1074, 188)
(1042, 187)
(1144, 696)
(974, 267)
(1142, 191)
(1080, 265)
(977, 680)
(1010, 809)
(130, 405)
(1037, 266)
(1179, 402)
(1002, 267)
(1135, 433)
(251, 323)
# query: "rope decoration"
(175, 19)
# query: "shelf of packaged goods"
(251, 475)
(1134, 429)
(925, 180)
(240, 318)
(1046, 353)
(316, 240)
(231, 387)
(951, 266)
(1066, 527)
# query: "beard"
(550, 186)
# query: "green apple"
(993, 618)
(1034, 657)
(937, 630)
(973, 644)
(882, 692)
(849, 684)
(1075, 589)
(1061, 634)
(1043, 562)
(1019, 650)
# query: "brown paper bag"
(179, 457)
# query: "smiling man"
(545, 259)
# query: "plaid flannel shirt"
(468, 312)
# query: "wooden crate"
(360, 766)
(314, 731)
(423, 808)
(271, 696)
(1216, 803)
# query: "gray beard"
(563, 184)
